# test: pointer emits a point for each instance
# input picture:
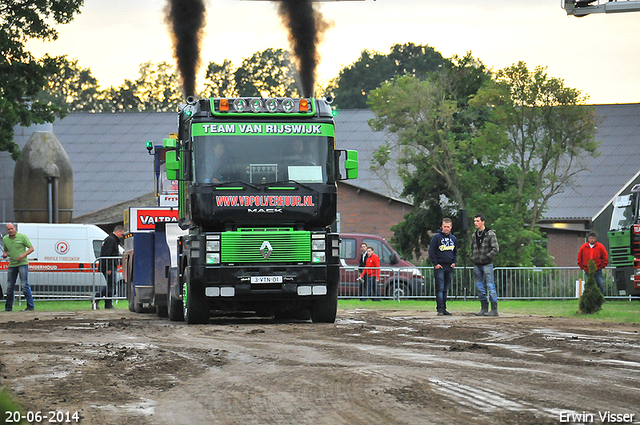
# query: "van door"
(349, 285)
(385, 259)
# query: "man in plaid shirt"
(484, 247)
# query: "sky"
(595, 54)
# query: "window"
(348, 249)
(263, 159)
(381, 249)
(97, 247)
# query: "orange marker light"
(224, 105)
(304, 105)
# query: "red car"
(398, 278)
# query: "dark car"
(398, 278)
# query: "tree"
(447, 164)
(220, 80)
(71, 88)
(269, 73)
(591, 299)
(541, 127)
(158, 88)
(433, 126)
(22, 76)
(422, 116)
(354, 83)
(121, 99)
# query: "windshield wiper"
(236, 182)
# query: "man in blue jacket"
(443, 253)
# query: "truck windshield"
(622, 217)
(263, 159)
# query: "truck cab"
(257, 194)
(624, 242)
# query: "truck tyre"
(174, 307)
(130, 296)
(196, 308)
(326, 308)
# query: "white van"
(63, 260)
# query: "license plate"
(266, 279)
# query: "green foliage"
(591, 299)
(8, 404)
(22, 76)
(158, 87)
(542, 127)
(354, 83)
(501, 147)
(269, 73)
(219, 80)
(71, 88)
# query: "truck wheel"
(130, 296)
(196, 308)
(174, 308)
(326, 308)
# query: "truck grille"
(246, 246)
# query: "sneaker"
(440, 313)
(29, 309)
(446, 313)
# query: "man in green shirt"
(17, 246)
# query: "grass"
(65, 305)
(612, 311)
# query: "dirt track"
(393, 367)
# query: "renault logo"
(266, 250)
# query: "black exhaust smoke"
(306, 29)
(186, 20)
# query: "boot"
(494, 310)
(484, 309)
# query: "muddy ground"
(370, 367)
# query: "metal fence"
(524, 283)
(49, 282)
(514, 283)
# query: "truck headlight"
(213, 246)
(213, 258)
(318, 257)
(318, 245)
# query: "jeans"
(443, 281)
(372, 287)
(485, 274)
(12, 277)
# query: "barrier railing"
(64, 282)
(394, 283)
(511, 283)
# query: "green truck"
(624, 242)
(257, 192)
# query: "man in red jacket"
(593, 250)
(371, 273)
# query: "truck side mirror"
(347, 167)
(169, 143)
(393, 259)
(172, 165)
